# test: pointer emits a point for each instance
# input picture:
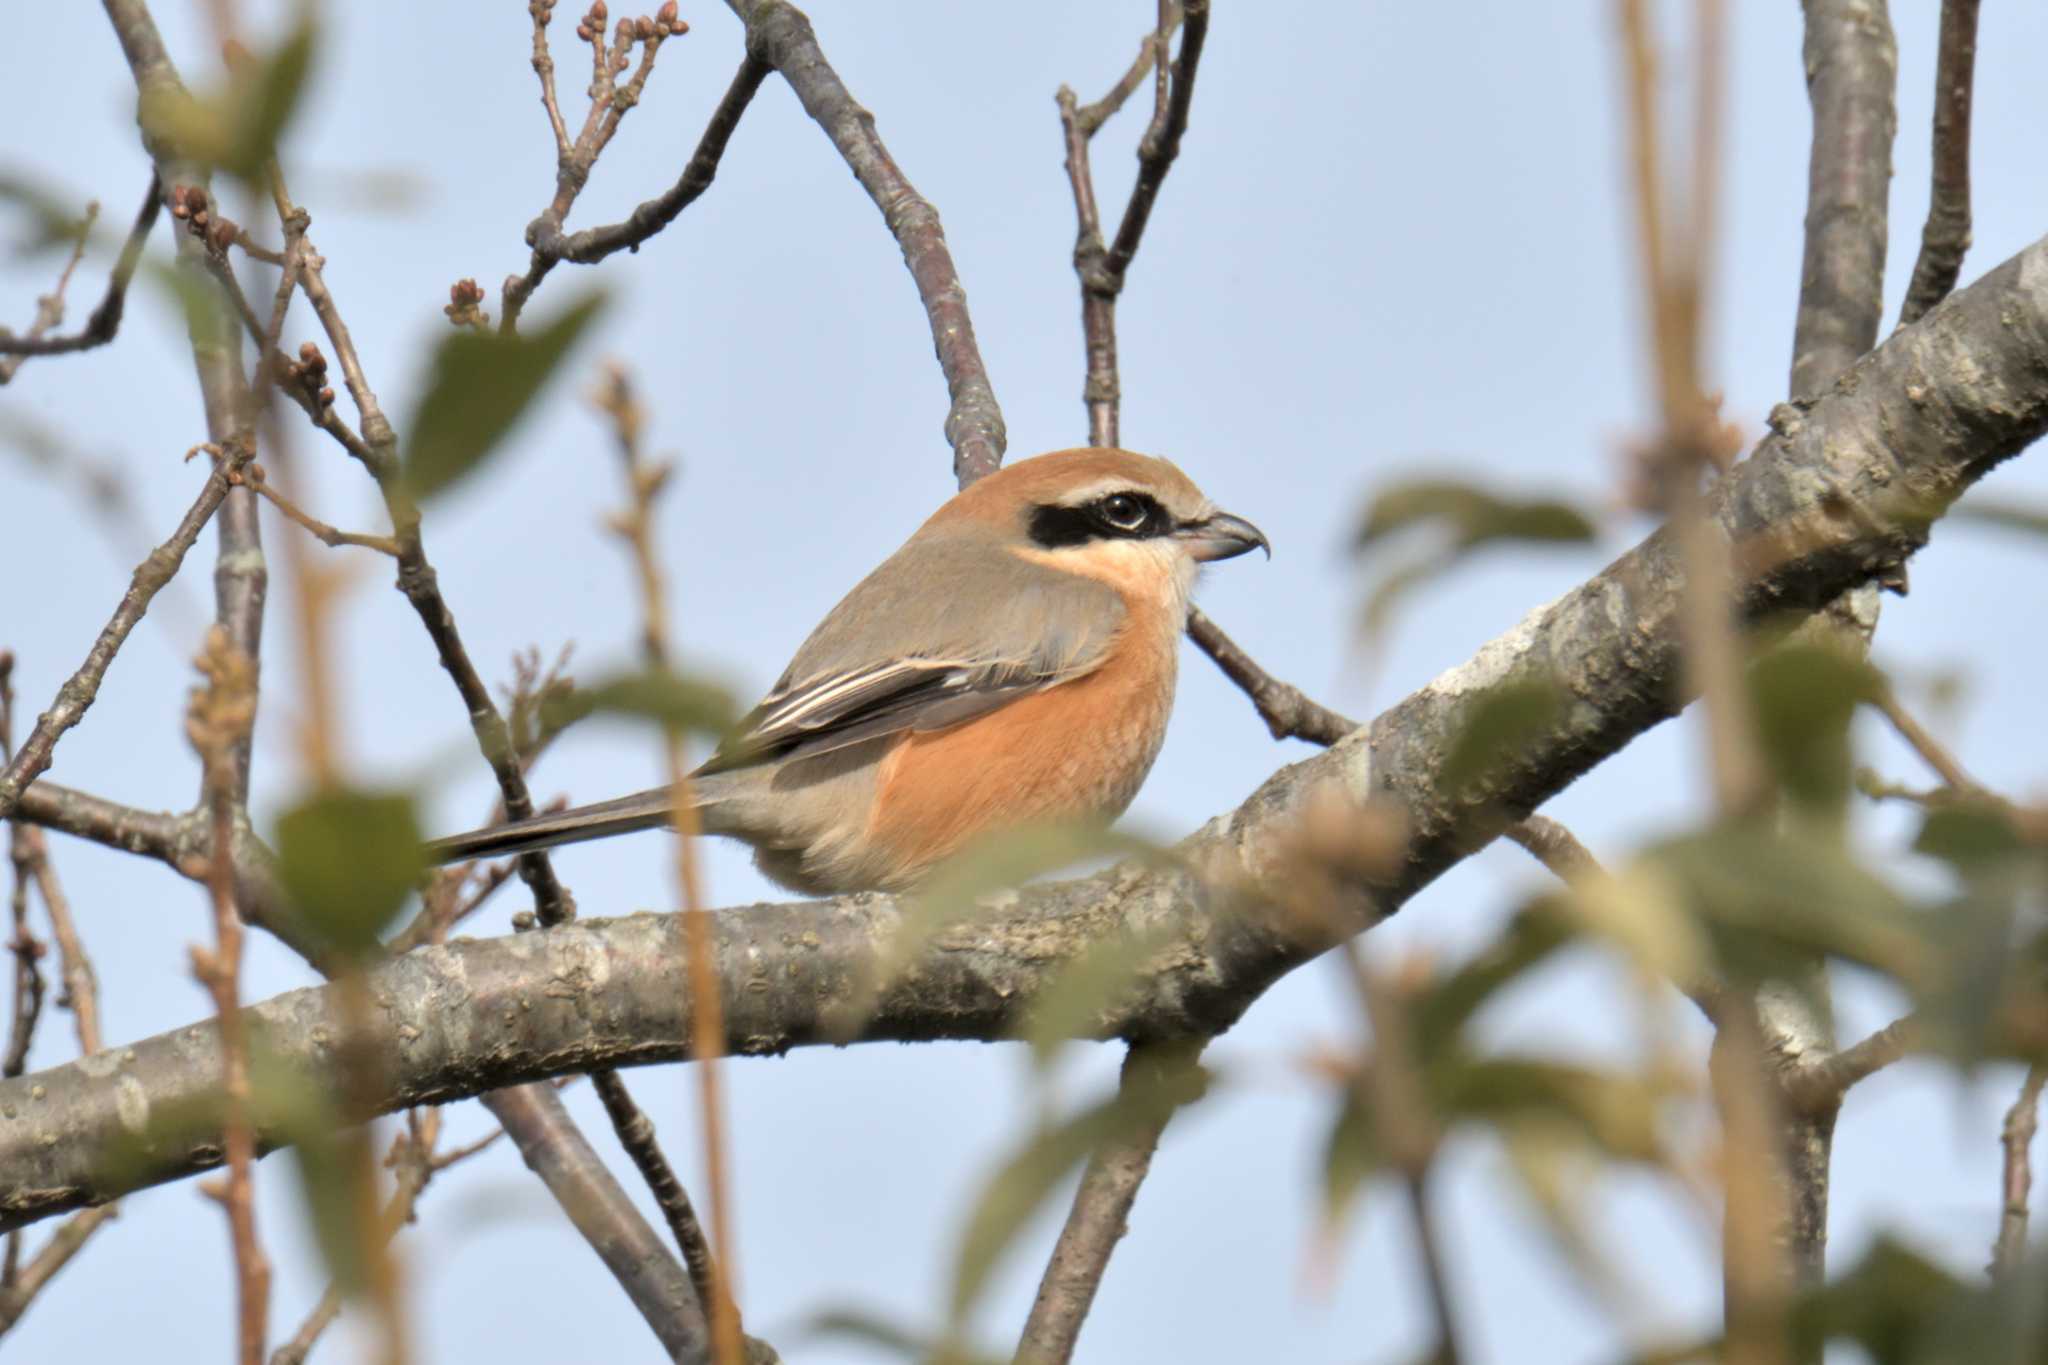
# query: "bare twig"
(1556, 847)
(609, 103)
(105, 320)
(594, 1201)
(25, 851)
(1161, 143)
(1101, 1210)
(65, 1243)
(1102, 267)
(2017, 1183)
(1404, 1124)
(636, 1134)
(779, 35)
(414, 1157)
(552, 245)
(1287, 711)
(77, 694)
(635, 524)
(216, 722)
(1925, 744)
(320, 530)
(1818, 1086)
(378, 451)
(1947, 234)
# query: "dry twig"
(217, 722)
(105, 320)
(714, 1281)
(2016, 1185)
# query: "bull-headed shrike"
(1012, 663)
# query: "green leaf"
(1352, 1155)
(1805, 697)
(348, 859)
(675, 700)
(1466, 517)
(236, 128)
(1973, 837)
(1471, 515)
(266, 97)
(1614, 1113)
(862, 1327)
(2010, 516)
(1529, 940)
(55, 223)
(480, 386)
(1501, 722)
(1142, 1105)
(1767, 899)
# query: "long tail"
(642, 810)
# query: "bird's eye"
(1123, 511)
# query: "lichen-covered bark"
(1843, 489)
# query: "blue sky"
(1394, 242)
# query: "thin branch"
(1090, 117)
(609, 103)
(65, 1243)
(594, 1201)
(635, 524)
(105, 321)
(1817, 1087)
(320, 530)
(416, 577)
(1394, 1093)
(2016, 1184)
(1101, 1211)
(780, 35)
(1947, 234)
(25, 851)
(414, 1157)
(636, 1134)
(1925, 744)
(1161, 143)
(551, 245)
(1287, 711)
(217, 723)
(1556, 847)
(77, 694)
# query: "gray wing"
(933, 637)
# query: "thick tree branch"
(1840, 492)
(779, 35)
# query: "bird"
(1013, 663)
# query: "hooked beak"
(1221, 536)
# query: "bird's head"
(1132, 520)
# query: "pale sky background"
(1394, 242)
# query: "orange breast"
(1073, 752)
